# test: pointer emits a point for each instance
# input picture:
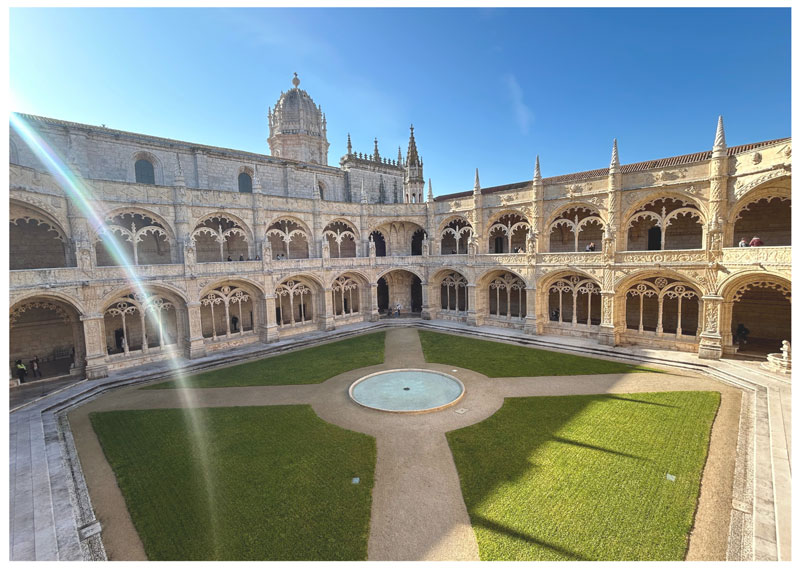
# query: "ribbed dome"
(296, 113)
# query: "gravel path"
(418, 512)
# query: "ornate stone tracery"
(227, 297)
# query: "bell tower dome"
(297, 127)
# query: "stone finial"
(399, 157)
(296, 81)
(349, 145)
(179, 179)
(256, 180)
(537, 172)
(477, 187)
(720, 148)
(375, 154)
(430, 191)
(614, 167)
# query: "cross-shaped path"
(418, 512)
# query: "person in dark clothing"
(235, 323)
(741, 334)
(241, 258)
(756, 242)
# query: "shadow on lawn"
(615, 397)
(598, 448)
(477, 520)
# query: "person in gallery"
(229, 258)
(743, 243)
(258, 257)
(235, 323)
(21, 370)
(756, 242)
(35, 369)
(741, 334)
(241, 258)
(590, 247)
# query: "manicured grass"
(584, 477)
(279, 483)
(495, 359)
(307, 366)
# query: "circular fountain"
(407, 390)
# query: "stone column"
(96, 350)
(530, 310)
(268, 329)
(608, 333)
(373, 302)
(194, 347)
(328, 323)
(472, 308)
(711, 339)
(426, 308)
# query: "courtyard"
(529, 466)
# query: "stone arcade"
(315, 247)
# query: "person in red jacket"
(756, 242)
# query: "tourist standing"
(35, 367)
(21, 370)
(590, 247)
(743, 243)
(756, 242)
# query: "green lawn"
(584, 477)
(306, 366)
(495, 359)
(280, 482)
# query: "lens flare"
(81, 196)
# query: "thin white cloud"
(522, 113)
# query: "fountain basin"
(407, 390)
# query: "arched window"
(245, 183)
(144, 172)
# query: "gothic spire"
(399, 157)
(411, 156)
(375, 154)
(430, 191)
(349, 145)
(614, 167)
(537, 173)
(719, 140)
(477, 187)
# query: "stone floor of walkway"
(418, 512)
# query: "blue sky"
(485, 88)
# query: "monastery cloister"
(228, 247)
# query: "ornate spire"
(430, 191)
(412, 157)
(537, 173)
(477, 187)
(349, 145)
(296, 81)
(720, 149)
(614, 167)
(399, 157)
(375, 154)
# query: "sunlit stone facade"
(315, 247)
